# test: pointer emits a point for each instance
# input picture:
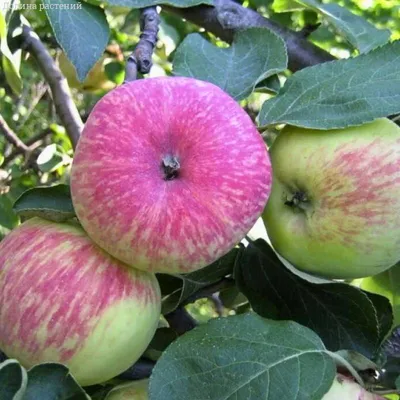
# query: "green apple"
(137, 390)
(334, 208)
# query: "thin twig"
(210, 290)
(141, 58)
(32, 143)
(12, 137)
(64, 105)
(227, 17)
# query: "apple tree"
(199, 199)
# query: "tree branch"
(180, 321)
(64, 105)
(141, 59)
(226, 18)
(12, 137)
(32, 143)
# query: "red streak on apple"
(360, 181)
(130, 202)
(46, 301)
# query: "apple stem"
(171, 167)
(299, 199)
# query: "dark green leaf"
(82, 32)
(161, 340)
(13, 380)
(52, 381)
(389, 359)
(244, 357)
(384, 313)
(269, 85)
(232, 297)
(254, 55)
(342, 315)
(194, 281)
(357, 360)
(53, 203)
(340, 93)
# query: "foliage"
(280, 334)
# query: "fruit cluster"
(169, 174)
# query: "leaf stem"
(341, 361)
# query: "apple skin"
(347, 225)
(133, 207)
(63, 299)
(136, 390)
(344, 388)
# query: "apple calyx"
(298, 199)
(170, 166)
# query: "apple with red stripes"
(334, 208)
(63, 299)
(169, 174)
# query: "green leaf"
(389, 359)
(244, 357)
(148, 3)
(232, 297)
(340, 93)
(194, 281)
(386, 284)
(254, 55)
(279, 6)
(10, 62)
(50, 158)
(357, 360)
(269, 85)
(357, 30)
(52, 381)
(384, 313)
(53, 203)
(82, 32)
(115, 71)
(342, 315)
(13, 380)
(8, 219)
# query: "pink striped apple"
(334, 208)
(169, 174)
(344, 388)
(63, 299)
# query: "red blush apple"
(63, 299)
(169, 174)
